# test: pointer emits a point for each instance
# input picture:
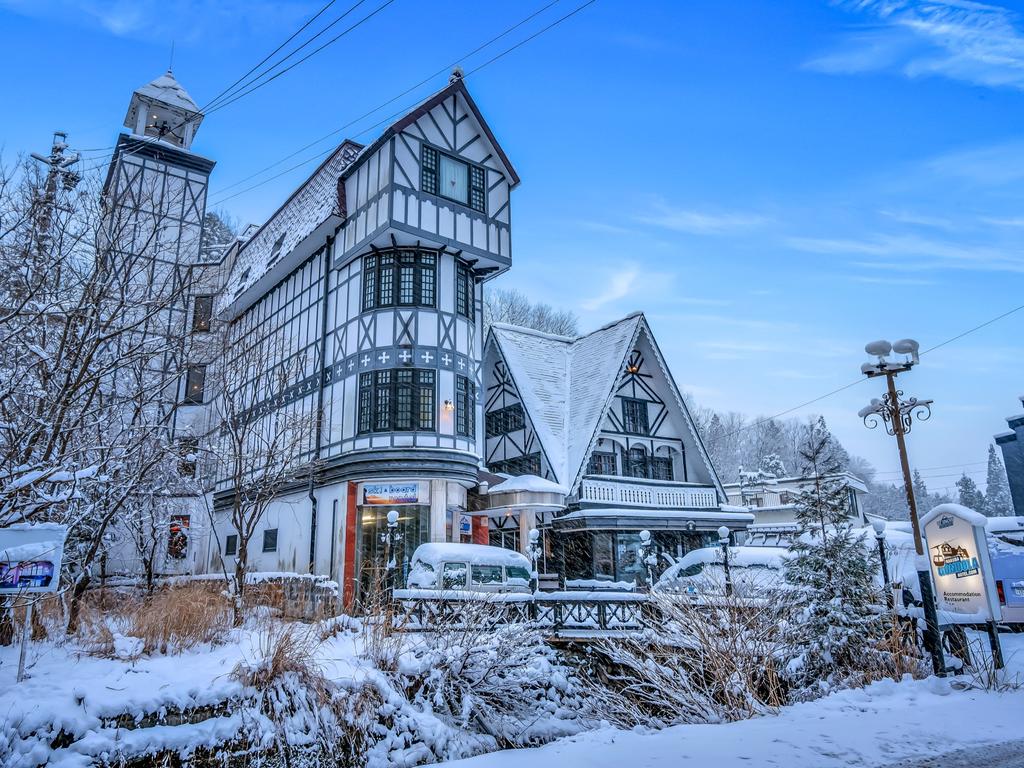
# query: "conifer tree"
(833, 574)
(998, 502)
(969, 495)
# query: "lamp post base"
(932, 635)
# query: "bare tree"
(89, 374)
(504, 305)
(263, 444)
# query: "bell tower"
(162, 109)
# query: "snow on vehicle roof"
(1004, 524)
(474, 554)
(529, 483)
(740, 557)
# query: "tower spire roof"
(168, 90)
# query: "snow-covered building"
(1011, 443)
(154, 199)
(772, 500)
(601, 420)
(357, 306)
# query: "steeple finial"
(170, 64)
(456, 74)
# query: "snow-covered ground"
(886, 723)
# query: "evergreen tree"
(832, 572)
(921, 496)
(998, 502)
(218, 232)
(969, 495)
(771, 464)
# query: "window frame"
(197, 370)
(231, 545)
(384, 278)
(465, 406)
(177, 536)
(628, 425)
(270, 539)
(608, 456)
(525, 464)
(465, 291)
(202, 322)
(387, 395)
(430, 178)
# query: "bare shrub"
(700, 663)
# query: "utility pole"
(898, 417)
(58, 170)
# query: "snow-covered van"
(752, 570)
(1006, 551)
(469, 567)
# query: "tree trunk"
(75, 606)
(240, 565)
(6, 622)
(148, 562)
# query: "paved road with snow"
(1007, 755)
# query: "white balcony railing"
(647, 494)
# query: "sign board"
(959, 559)
(465, 524)
(391, 494)
(30, 558)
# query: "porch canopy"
(525, 493)
(631, 519)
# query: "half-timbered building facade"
(600, 418)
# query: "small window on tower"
(195, 383)
(202, 313)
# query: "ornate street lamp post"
(644, 551)
(897, 415)
(879, 526)
(723, 540)
(533, 549)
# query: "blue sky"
(774, 183)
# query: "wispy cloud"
(958, 39)
(696, 222)
(912, 253)
(619, 285)
(889, 280)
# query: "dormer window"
(453, 178)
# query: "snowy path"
(1008, 755)
(878, 726)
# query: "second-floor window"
(601, 463)
(520, 465)
(270, 540)
(634, 416)
(464, 290)
(505, 420)
(452, 178)
(465, 406)
(202, 313)
(399, 278)
(397, 400)
(195, 384)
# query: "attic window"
(275, 252)
(453, 178)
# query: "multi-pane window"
(661, 468)
(505, 420)
(464, 290)
(404, 278)
(195, 383)
(270, 540)
(454, 179)
(398, 400)
(465, 406)
(634, 416)
(202, 313)
(601, 463)
(636, 462)
(520, 465)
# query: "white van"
(468, 567)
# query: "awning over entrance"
(611, 519)
(525, 492)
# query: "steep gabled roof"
(568, 384)
(168, 90)
(565, 384)
(456, 86)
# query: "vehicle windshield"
(487, 574)
(454, 576)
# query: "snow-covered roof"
(168, 90)
(528, 483)
(269, 253)
(958, 510)
(567, 385)
(475, 554)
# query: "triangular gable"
(456, 87)
(597, 360)
(538, 364)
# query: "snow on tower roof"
(168, 90)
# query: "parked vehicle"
(1006, 550)
(752, 570)
(468, 567)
